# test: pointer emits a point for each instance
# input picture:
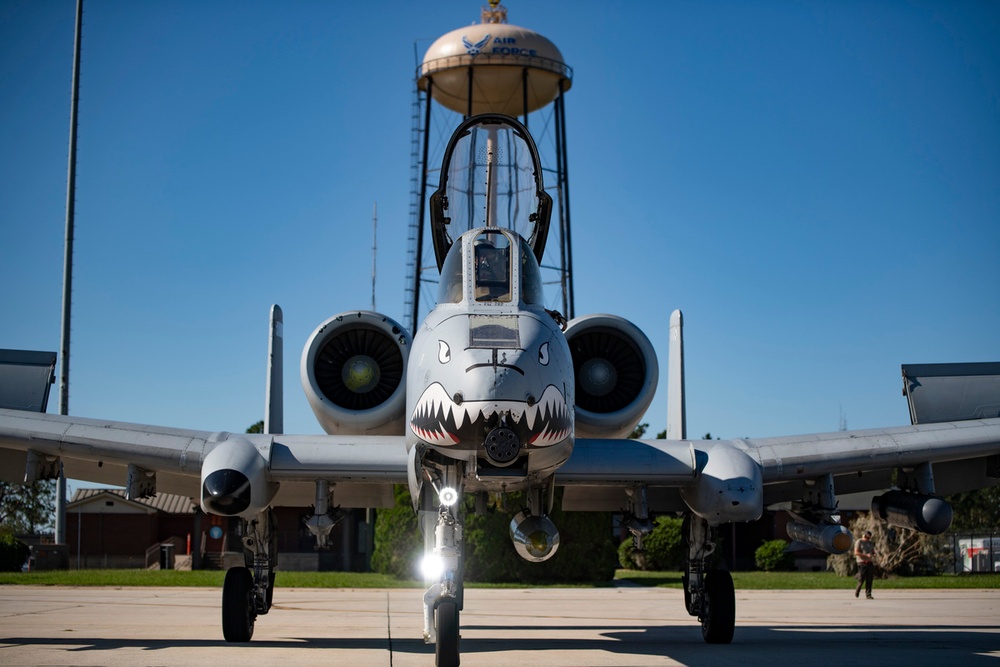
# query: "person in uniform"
(864, 552)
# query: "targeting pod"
(535, 538)
(927, 514)
(831, 538)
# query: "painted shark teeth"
(438, 420)
(548, 418)
(431, 414)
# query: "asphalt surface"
(537, 627)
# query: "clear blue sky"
(815, 184)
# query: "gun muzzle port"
(502, 445)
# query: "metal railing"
(465, 60)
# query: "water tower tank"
(491, 67)
(495, 67)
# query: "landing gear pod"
(927, 514)
(234, 480)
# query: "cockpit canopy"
(491, 177)
(490, 266)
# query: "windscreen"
(450, 287)
(492, 257)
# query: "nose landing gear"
(443, 564)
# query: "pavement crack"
(388, 623)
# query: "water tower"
(489, 67)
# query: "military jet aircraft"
(495, 394)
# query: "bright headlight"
(448, 496)
(432, 566)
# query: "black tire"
(446, 649)
(238, 612)
(718, 619)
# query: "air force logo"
(475, 49)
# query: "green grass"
(814, 580)
(742, 580)
(199, 578)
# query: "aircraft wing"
(958, 449)
(965, 454)
(364, 467)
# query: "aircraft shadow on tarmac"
(886, 645)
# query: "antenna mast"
(374, 247)
(67, 300)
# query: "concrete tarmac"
(541, 626)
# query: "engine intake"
(353, 370)
(616, 374)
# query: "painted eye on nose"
(543, 354)
(444, 352)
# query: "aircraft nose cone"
(226, 492)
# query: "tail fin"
(676, 405)
(274, 402)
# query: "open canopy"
(491, 176)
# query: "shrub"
(771, 556)
(398, 543)
(13, 553)
(662, 548)
(626, 555)
(586, 550)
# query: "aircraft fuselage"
(490, 376)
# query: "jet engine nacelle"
(616, 375)
(535, 537)
(927, 514)
(831, 538)
(234, 479)
(353, 374)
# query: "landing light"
(432, 566)
(448, 496)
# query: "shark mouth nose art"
(440, 420)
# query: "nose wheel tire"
(718, 617)
(446, 649)
(238, 613)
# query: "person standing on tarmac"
(864, 552)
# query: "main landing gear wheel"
(718, 617)
(446, 649)
(238, 612)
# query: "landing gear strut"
(708, 592)
(248, 591)
(443, 563)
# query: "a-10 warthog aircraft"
(493, 395)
